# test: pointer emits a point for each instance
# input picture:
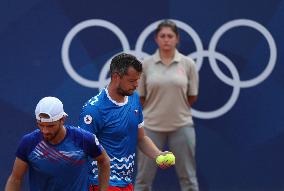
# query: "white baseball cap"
(50, 106)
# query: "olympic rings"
(272, 46)
(200, 53)
(236, 88)
(68, 39)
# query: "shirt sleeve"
(27, 144)
(91, 144)
(193, 79)
(141, 117)
(90, 119)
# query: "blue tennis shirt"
(116, 127)
(63, 166)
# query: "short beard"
(53, 137)
(122, 92)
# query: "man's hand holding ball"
(165, 160)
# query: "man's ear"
(115, 76)
(62, 120)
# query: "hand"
(166, 159)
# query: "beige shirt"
(166, 89)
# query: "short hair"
(167, 23)
(121, 62)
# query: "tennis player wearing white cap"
(56, 155)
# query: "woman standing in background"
(168, 87)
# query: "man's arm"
(15, 179)
(104, 170)
(146, 145)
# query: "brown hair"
(167, 23)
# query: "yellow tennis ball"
(170, 159)
(160, 159)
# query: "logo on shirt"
(88, 119)
(181, 71)
(136, 111)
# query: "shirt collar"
(115, 102)
(158, 59)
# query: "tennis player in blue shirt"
(57, 155)
(115, 116)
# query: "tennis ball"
(160, 159)
(169, 159)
